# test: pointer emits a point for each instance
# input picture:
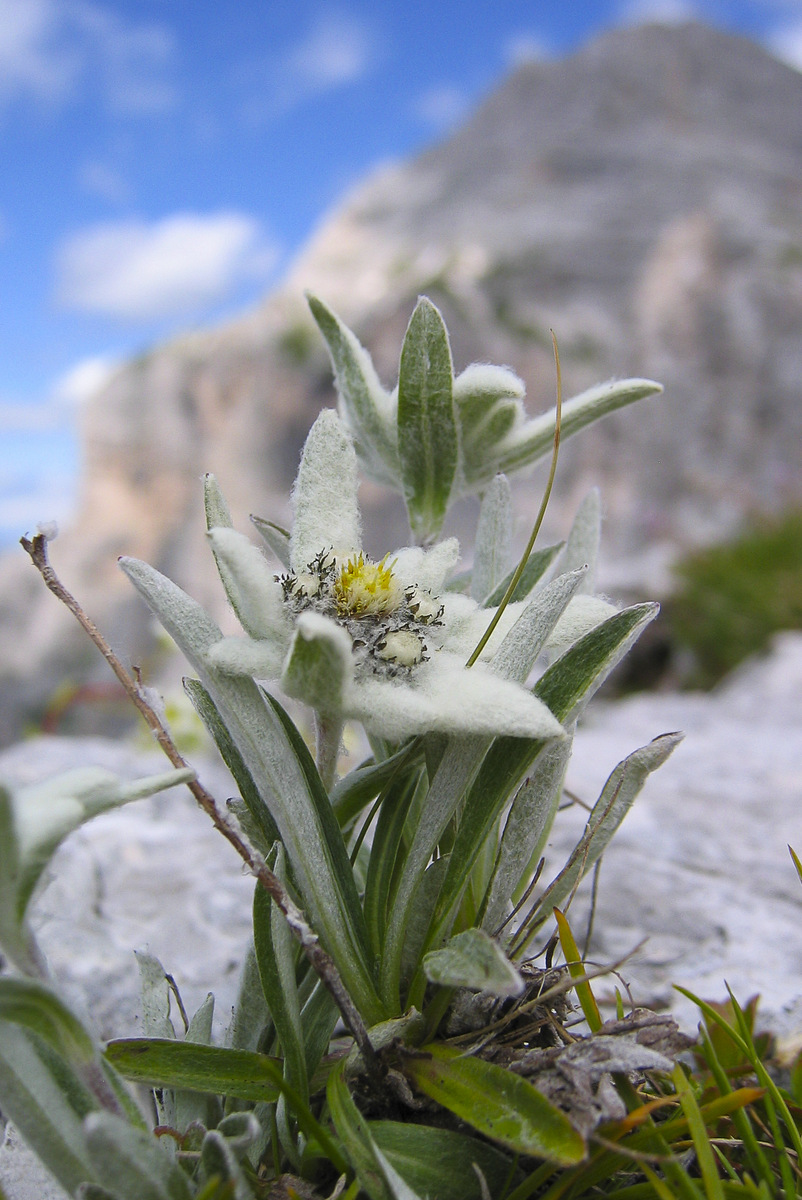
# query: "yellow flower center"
(364, 588)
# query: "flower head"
(382, 642)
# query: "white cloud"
(177, 266)
(51, 49)
(523, 48)
(335, 51)
(81, 381)
(660, 12)
(786, 42)
(442, 106)
(98, 179)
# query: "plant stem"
(328, 733)
(321, 962)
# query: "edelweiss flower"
(381, 642)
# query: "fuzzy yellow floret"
(365, 588)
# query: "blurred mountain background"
(642, 197)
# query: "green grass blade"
(701, 1140)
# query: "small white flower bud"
(403, 647)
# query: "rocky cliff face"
(643, 198)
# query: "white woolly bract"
(259, 597)
(484, 379)
(428, 569)
(444, 697)
(324, 495)
(466, 624)
(583, 614)
(263, 659)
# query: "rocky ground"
(700, 867)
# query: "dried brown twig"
(319, 959)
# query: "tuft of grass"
(733, 597)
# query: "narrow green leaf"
(366, 405)
(473, 960)
(499, 1104)
(160, 1062)
(276, 955)
(133, 1162)
(276, 537)
(796, 861)
(241, 1073)
(493, 539)
(537, 564)
(220, 1161)
(397, 800)
(366, 1159)
(535, 439)
(47, 1102)
(526, 831)
(458, 765)
(576, 968)
(31, 1004)
(263, 827)
(250, 1019)
(582, 546)
(440, 1162)
(565, 688)
(618, 795)
(351, 794)
(701, 1139)
(428, 447)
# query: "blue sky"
(163, 160)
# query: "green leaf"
(47, 1102)
(263, 827)
(351, 794)
(35, 820)
(250, 1018)
(473, 960)
(219, 1160)
(367, 1160)
(276, 955)
(31, 1004)
(397, 800)
(535, 439)
(282, 768)
(526, 831)
(564, 687)
(427, 430)
(133, 1162)
(276, 537)
(576, 968)
(160, 1062)
(570, 682)
(497, 1103)
(240, 1073)
(493, 548)
(582, 546)
(615, 801)
(366, 405)
(440, 1162)
(537, 564)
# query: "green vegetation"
(734, 597)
